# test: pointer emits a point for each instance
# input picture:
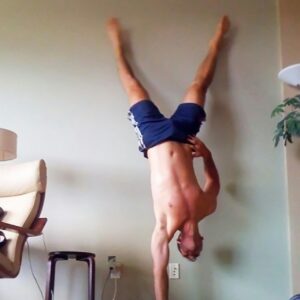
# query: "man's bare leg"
(135, 91)
(197, 91)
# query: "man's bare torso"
(176, 193)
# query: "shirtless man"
(170, 145)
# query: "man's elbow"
(218, 187)
(212, 187)
(212, 206)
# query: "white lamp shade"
(8, 144)
(290, 75)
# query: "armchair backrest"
(23, 178)
(22, 192)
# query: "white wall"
(290, 29)
(61, 94)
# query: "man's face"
(190, 247)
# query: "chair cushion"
(22, 178)
(20, 210)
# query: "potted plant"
(289, 126)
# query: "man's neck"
(190, 227)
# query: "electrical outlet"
(115, 267)
(116, 272)
(174, 271)
(111, 261)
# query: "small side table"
(87, 257)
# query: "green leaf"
(289, 126)
(277, 135)
(277, 110)
(289, 138)
(295, 102)
(280, 125)
(276, 139)
(298, 128)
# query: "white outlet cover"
(174, 271)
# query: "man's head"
(190, 246)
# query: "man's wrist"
(207, 156)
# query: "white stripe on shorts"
(139, 135)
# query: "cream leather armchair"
(22, 193)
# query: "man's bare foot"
(222, 28)
(114, 32)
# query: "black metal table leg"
(87, 257)
(91, 269)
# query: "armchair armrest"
(35, 230)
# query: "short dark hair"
(190, 258)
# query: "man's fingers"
(194, 150)
(191, 140)
(196, 146)
(194, 140)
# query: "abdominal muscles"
(174, 185)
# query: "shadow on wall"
(101, 179)
(221, 125)
(224, 135)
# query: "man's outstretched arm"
(160, 256)
(211, 175)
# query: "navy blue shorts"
(153, 128)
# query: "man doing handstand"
(170, 145)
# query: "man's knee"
(135, 90)
(197, 88)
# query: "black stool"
(87, 257)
